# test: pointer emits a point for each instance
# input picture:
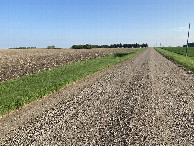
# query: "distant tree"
(87, 46)
(94, 46)
(104, 46)
(120, 45)
(51, 47)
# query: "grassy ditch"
(18, 92)
(187, 62)
(181, 50)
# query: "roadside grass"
(181, 50)
(187, 62)
(18, 92)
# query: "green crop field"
(180, 50)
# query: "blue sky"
(66, 22)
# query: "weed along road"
(145, 100)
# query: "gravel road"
(147, 100)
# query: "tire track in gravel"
(172, 102)
(146, 100)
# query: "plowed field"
(17, 63)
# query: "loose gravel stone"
(146, 100)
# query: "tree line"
(89, 46)
(23, 48)
(49, 47)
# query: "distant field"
(16, 63)
(180, 50)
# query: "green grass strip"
(18, 92)
(181, 50)
(187, 62)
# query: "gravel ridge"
(146, 100)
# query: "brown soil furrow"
(17, 63)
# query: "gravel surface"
(147, 100)
(17, 63)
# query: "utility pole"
(188, 40)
